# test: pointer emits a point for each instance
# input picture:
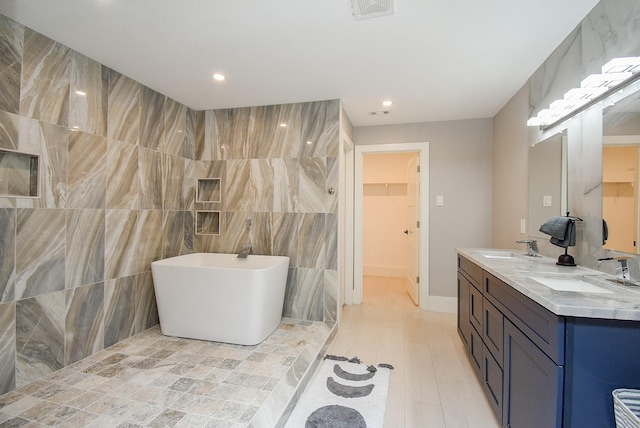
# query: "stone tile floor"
(151, 380)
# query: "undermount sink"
(495, 254)
(578, 283)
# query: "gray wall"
(610, 30)
(460, 170)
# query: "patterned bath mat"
(343, 393)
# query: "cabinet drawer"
(493, 332)
(543, 327)
(473, 271)
(475, 308)
(475, 352)
(492, 382)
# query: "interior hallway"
(433, 384)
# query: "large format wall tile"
(7, 254)
(40, 252)
(45, 79)
(175, 122)
(152, 133)
(173, 175)
(123, 121)
(268, 139)
(85, 247)
(145, 298)
(177, 229)
(51, 143)
(39, 336)
(311, 241)
(330, 299)
(87, 176)
(304, 295)
(286, 180)
(119, 309)
(84, 327)
(229, 133)
(119, 248)
(312, 189)
(7, 347)
(9, 125)
(11, 39)
(122, 175)
(88, 95)
(146, 241)
(237, 193)
(149, 179)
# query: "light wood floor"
(433, 384)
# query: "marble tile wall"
(119, 164)
(115, 159)
(610, 30)
(279, 178)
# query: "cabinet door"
(475, 308)
(493, 332)
(532, 383)
(464, 327)
(492, 382)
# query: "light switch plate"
(439, 200)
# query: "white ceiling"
(436, 59)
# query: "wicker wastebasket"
(626, 407)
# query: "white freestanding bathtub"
(220, 297)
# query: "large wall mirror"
(547, 181)
(620, 161)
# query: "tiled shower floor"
(151, 380)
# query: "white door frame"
(360, 151)
(345, 228)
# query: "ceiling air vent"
(379, 113)
(363, 9)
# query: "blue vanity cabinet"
(533, 384)
(602, 355)
(464, 326)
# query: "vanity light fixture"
(617, 73)
(219, 77)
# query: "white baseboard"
(440, 304)
(388, 271)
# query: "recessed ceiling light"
(219, 77)
(387, 103)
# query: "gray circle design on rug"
(335, 416)
(350, 376)
(347, 391)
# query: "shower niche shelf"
(18, 174)
(207, 222)
(208, 190)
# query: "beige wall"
(510, 171)
(460, 170)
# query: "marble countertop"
(608, 301)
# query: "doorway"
(415, 230)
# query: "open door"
(412, 282)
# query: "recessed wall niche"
(207, 223)
(18, 174)
(208, 190)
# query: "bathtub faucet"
(244, 253)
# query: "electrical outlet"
(523, 226)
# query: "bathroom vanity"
(548, 343)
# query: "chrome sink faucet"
(244, 253)
(532, 247)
